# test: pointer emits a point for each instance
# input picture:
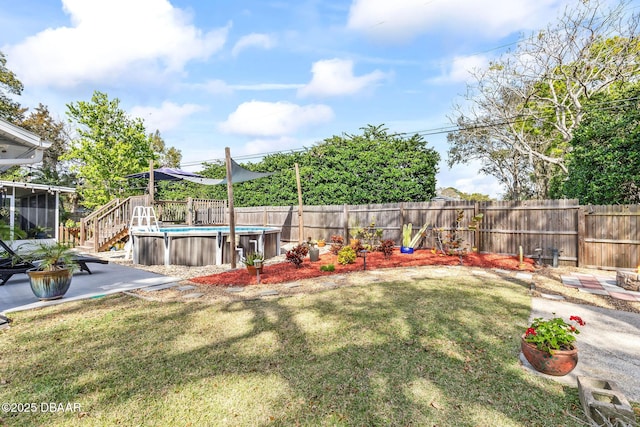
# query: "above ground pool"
(198, 246)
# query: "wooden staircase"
(106, 226)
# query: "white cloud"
(112, 40)
(460, 68)
(257, 118)
(263, 41)
(268, 86)
(402, 20)
(334, 77)
(216, 87)
(168, 116)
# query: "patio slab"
(16, 294)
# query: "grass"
(419, 351)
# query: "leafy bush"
(346, 255)
(296, 254)
(337, 242)
(371, 236)
(328, 267)
(386, 247)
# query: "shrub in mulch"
(286, 272)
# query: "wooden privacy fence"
(586, 236)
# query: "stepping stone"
(235, 289)
(292, 285)
(554, 297)
(193, 295)
(186, 288)
(624, 296)
(501, 271)
(268, 293)
(524, 276)
(593, 291)
(329, 284)
(160, 287)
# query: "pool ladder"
(143, 219)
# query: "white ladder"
(143, 219)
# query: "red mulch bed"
(287, 272)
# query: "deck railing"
(111, 221)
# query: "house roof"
(18, 146)
(32, 186)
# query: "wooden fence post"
(476, 233)
(581, 232)
(189, 211)
(346, 223)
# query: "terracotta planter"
(560, 363)
(253, 270)
(49, 285)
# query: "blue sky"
(261, 76)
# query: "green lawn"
(422, 351)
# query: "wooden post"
(476, 233)
(189, 213)
(300, 221)
(151, 183)
(581, 232)
(232, 216)
(346, 223)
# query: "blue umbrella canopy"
(238, 174)
(166, 174)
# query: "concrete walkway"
(16, 294)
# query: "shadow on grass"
(423, 352)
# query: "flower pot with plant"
(55, 266)
(549, 345)
(38, 232)
(251, 260)
(406, 239)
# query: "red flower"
(577, 319)
(530, 331)
(572, 328)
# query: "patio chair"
(13, 264)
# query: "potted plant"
(38, 232)
(406, 239)
(55, 266)
(549, 345)
(321, 243)
(250, 262)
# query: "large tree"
(109, 145)
(603, 164)
(10, 110)
(54, 131)
(531, 100)
(166, 157)
(375, 167)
